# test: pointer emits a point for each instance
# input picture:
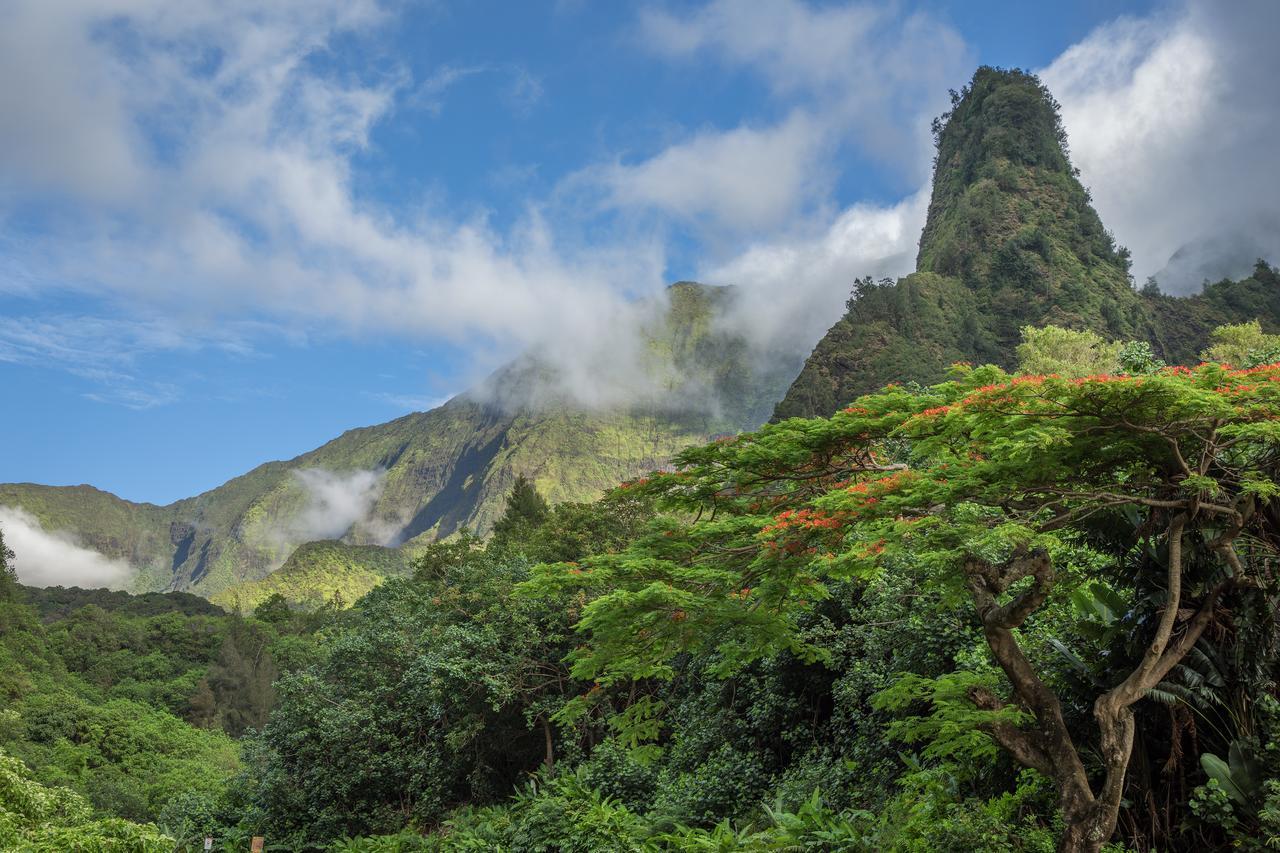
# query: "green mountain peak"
(1011, 239)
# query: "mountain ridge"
(428, 474)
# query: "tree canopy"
(995, 487)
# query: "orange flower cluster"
(855, 410)
(981, 394)
(805, 519)
(1098, 377)
(874, 549)
(934, 412)
(1261, 368)
(883, 485)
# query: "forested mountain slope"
(1011, 240)
(431, 473)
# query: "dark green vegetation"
(1011, 241)
(112, 705)
(971, 609)
(440, 470)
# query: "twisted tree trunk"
(1089, 817)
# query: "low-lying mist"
(56, 558)
(335, 502)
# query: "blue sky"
(228, 233)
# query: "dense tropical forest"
(1001, 575)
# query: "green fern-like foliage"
(35, 818)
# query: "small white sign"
(208, 842)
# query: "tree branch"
(1019, 743)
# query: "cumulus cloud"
(335, 501)
(1172, 123)
(864, 82)
(795, 286)
(744, 179)
(201, 160)
(56, 558)
(203, 156)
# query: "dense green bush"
(35, 818)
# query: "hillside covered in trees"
(1000, 576)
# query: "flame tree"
(1010, 491)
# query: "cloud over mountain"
(54, 558)
(1173, 124)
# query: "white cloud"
(334, 502)
(1173, 124)
(220, 180)
(744, 179)
(429, 94)
(107, 351)
(211, 176)
(521, 92)
(1169, 119)
(524, 91)
(55, 558)
(201, 160)
(795, 286)
(409, 402)
(861, 80)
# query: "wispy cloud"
(110, 352)
(334, 502)
(429, 94)
(1169, 117)
(209, 173)
(409, 402)
(524, 91)
(519, 88)
(866, 69)
(202, 160)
